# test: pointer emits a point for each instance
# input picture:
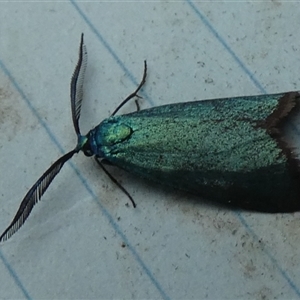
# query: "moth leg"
(134, 94)
(114, 180)
(138, 108)
(106, 162)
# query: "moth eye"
(88, 152)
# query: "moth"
(231, 151)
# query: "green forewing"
(224, 150)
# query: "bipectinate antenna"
(76, 88)
(34, 195)
(39, 188)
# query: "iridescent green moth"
(232, 151)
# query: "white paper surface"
(83, 241)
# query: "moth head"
(84, 145)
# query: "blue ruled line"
(109, 49)
(105, 212)
(244, 69)
(14, 276)
(88, 188)
(206, 22)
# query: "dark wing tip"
(285, 105)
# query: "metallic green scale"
(218, 149)
(225, 150)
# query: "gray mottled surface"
(83, 240)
